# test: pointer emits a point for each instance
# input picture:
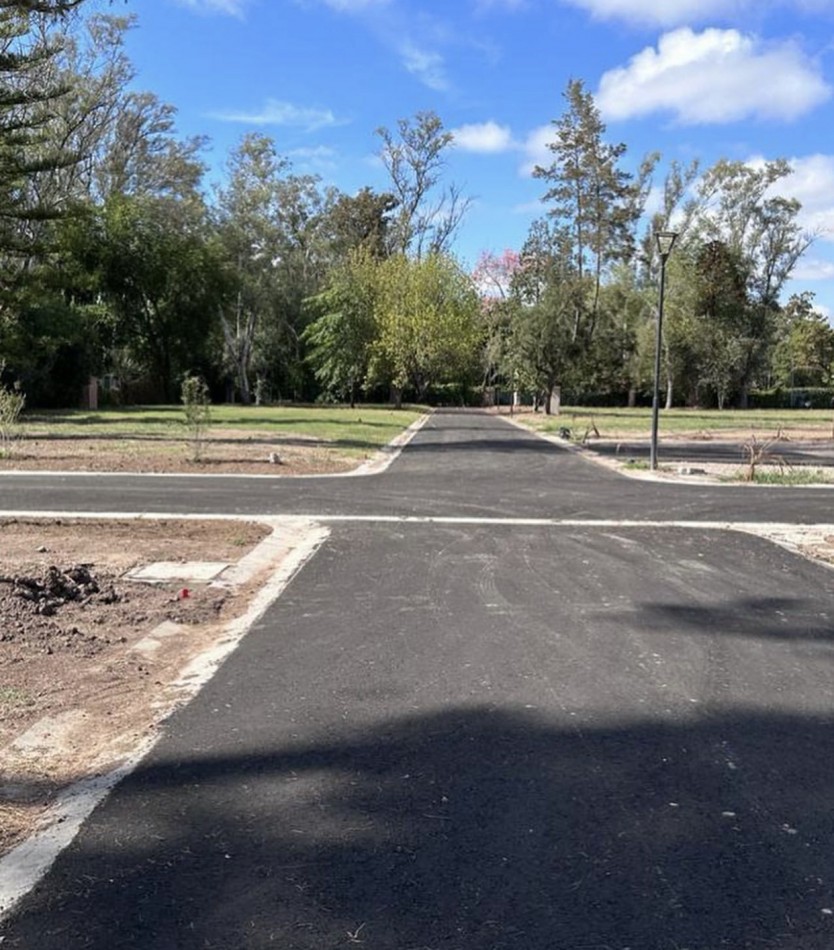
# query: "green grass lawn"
(794, 476)
(363, 427)
(616, 423)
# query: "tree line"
(117, 260)
(575, 310)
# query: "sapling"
(196, 404)
(12, 401)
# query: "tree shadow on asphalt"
(471, 829)
(759, 618)
(514, 444)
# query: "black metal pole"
(657, 344)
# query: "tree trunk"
(632, 397)
(744, 397)
(669, 392)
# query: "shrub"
(12, 401)
(195, 400)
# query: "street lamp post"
(665, 241)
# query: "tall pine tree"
(592, 198)
(29, 90)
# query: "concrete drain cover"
(161, 571)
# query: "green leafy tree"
(344, 328)
(804, 354)
(161, 278)
(542, 352)
(429, 329)
(248, 222)
(739, 207)
(722, 312)
(361, 222)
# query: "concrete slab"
(49, 734)
(194, 571)
(149, 645)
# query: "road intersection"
(514, 701)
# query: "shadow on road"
(473, 829)
(759, 618)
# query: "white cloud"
(426, 65)
(276, 112)
(663, 13)
(412, 37)
(536, 150)
(716, 76)
(319, 157)
(812, 184)
(488, 137)
(228, 7)
(814, 268)
(669, 13)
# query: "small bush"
(12, 402)
(195, 400)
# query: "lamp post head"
(665, 242)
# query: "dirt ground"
(226, 452)
(78, 685)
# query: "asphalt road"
(475, 736)
(722, 451)
(460, 464)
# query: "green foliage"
(197, 411)
(345, 328)
(594, 200)
(428, 319)
(541, 350)
(362, 222)
(804, 353)
(29, 90)
(161, 279)
(782, 476)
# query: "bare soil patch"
(225, 452)
(71, 633)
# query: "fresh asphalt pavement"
(470, 736)
(730, 452)
(461, 464)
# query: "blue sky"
(706, 79)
